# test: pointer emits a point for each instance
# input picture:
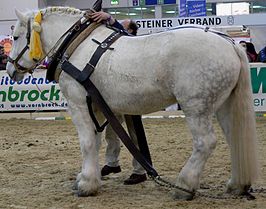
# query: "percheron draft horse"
(201, 70)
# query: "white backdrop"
(35, 93)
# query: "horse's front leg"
(88, 180)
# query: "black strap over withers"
(101, 49)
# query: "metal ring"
(77, 28)
(104, 45)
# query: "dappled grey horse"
(201, 70)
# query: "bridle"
(19, 68)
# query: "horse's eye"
(15, 38)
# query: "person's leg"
(112, 151)
(138, 174)
(112, 148)
(137, 168)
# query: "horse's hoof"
(86, 194)
(237, 189)
(88, 188)
(75, 186)
(180, 195)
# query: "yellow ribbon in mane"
(36, 51)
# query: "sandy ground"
(39, 161)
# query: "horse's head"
(35, 34)
(19, 61)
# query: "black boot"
(106, 170)
(135, 179)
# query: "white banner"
(155, 25)
(32, 93)
(35, 93)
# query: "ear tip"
(19, 15)
(16, 10)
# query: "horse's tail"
(245, 168)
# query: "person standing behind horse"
(250, 50)
(127, 25)
(113, 143)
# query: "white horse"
(203, 71)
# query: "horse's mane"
(57, 10)
(61, 10)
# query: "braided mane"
(61, 10)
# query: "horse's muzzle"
(13, 74)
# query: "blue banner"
(150, 2)
(196, 8)
(169, 1)
(182, 8)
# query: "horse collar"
(72, 33)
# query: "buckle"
(103, 45)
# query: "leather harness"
(72, 40)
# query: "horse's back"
(199, 68)
(150, 72)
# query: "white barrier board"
(35, 93)
(32, 93)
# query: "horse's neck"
(53, 27)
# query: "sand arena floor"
(39, 161)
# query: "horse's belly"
(137, 102)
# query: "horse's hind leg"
(204, 142)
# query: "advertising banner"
(162, 24)
(182, 8)
(196, 8)
(258, 79)
(6, 42)
(35, 93)
(32, 93)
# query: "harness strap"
(206, 29)
(96, 123)
(74, 44)
(81, 37)
(72, 33)
(101, 49)
(136, 123)
(89, 68)
(117, 127)
(83, 77)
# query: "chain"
(258, 191)
(169, 185)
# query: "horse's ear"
(21, 16)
